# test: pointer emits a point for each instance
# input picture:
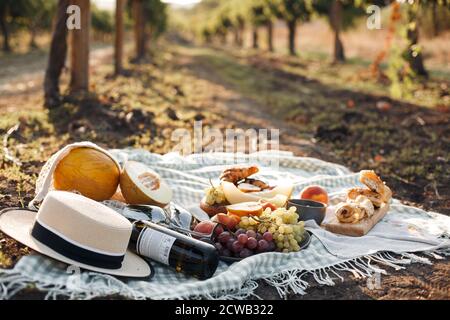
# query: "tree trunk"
(414, 55)
(57, 55)
(224, 39)
(236, 37)
(33, 31)
(79, 50)
(292, 27)
(435, 18)
(255, 38)
(5, 30)
(336, 24)
(270, 36)
(241, 34)
(34, 25)
(118, 41)
(33, 44)
(139, 28)
(148, 34)
(339, 54)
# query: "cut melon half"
(141, 185)
(234, 195)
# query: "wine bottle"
(138, 212)
(184, 254)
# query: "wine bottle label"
(155, 245)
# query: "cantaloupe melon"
(88, 171)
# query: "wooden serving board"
(359, 229)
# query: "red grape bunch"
(243, 243)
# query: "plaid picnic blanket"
(324, 259)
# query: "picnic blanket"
(404, 236)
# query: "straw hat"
(78, 231)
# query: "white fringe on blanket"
(287, 282)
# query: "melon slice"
(234, 195)
(247, 187)
(141, 185)
(245, 209)
(278, 201)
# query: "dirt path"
(244, 112)
(22, 76)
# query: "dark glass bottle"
(175, 215)
(143, 212)
(184, 254)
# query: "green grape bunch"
(282, 223)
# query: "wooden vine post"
(139, 28)
(119, 36)
(255, 37)
(270, 30)
(336, 23)
(79, 50)
(56, 56)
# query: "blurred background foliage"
(405, 22)
(36, 16)
(252, 24)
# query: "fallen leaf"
(350, 104)
(378, 158)
(383, 106)
(443, 108)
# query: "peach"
(228, 221)
(234, 221)
(205, 227)
(266, 205)
(315, 193)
